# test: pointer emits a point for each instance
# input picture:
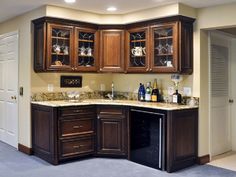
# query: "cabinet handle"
(150, 69)
(73, 68)
(77, 126)
(77, 111)
(147, 69)
(78, 146)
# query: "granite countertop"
(162, 106)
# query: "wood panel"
(182, 139)
(112, 50)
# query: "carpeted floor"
(17, 164)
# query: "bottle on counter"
(177, 98)
(155, 92)
(141, 92)
(148, 92)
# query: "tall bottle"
(177, 98)
(141, 92)
(148, 92)
(155, 92)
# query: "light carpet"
(17, 164)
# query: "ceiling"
(12, 8)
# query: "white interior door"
(220, 108)
(9, 89)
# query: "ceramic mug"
(137, 51)
(56, 48)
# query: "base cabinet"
(112, 131)
(65, 133)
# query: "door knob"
(13, 97)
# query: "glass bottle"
(155, 92)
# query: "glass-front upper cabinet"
(60, 44)
(137, 59)
(164, 54)
(86, 52)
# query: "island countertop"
(162, 106)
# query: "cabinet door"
(164, 47)
(111, 135)
(86, 49)
(137, 45)
(112, 51)
(60, 47)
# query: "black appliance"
(147, 141)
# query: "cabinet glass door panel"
(137, 57)
(165, 48)
(60, 47)
(86, 51)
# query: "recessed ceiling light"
(69, 1)
(111, 9)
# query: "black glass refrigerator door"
(147, 138)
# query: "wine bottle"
(148, 92)
(177, 98)
(155, 91)
(141, 92)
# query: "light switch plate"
(187, 91)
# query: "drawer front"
(74, 147)
(76, 127)
(73, 111)
(111, 110)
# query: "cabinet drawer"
(72, 111)
(76, 127)
(111, 110)
(75, 147)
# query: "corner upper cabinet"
(112, 50)
(86, 49)
(137, 45)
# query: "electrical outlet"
(102, 87)
(50, 87)
(187, 91)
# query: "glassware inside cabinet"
(86, 49)
(60, 55)
(137, 49)
(163, 47)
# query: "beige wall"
(22, 24)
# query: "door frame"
(16, 32)
(227, 37)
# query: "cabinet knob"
(98, 117)
(73, 68)
(147, 69)
(150, 69)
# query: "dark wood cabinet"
(168, 46)
(112, 131)
(112, 50)
(63, 133)
(181, 139)
(61, 45)
(162, 45)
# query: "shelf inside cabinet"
(137, 56)
(62, 38)
(138, 40)
(85, 40)
(85, 55)
(60, 54)
(162, 38)
(167, 54)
